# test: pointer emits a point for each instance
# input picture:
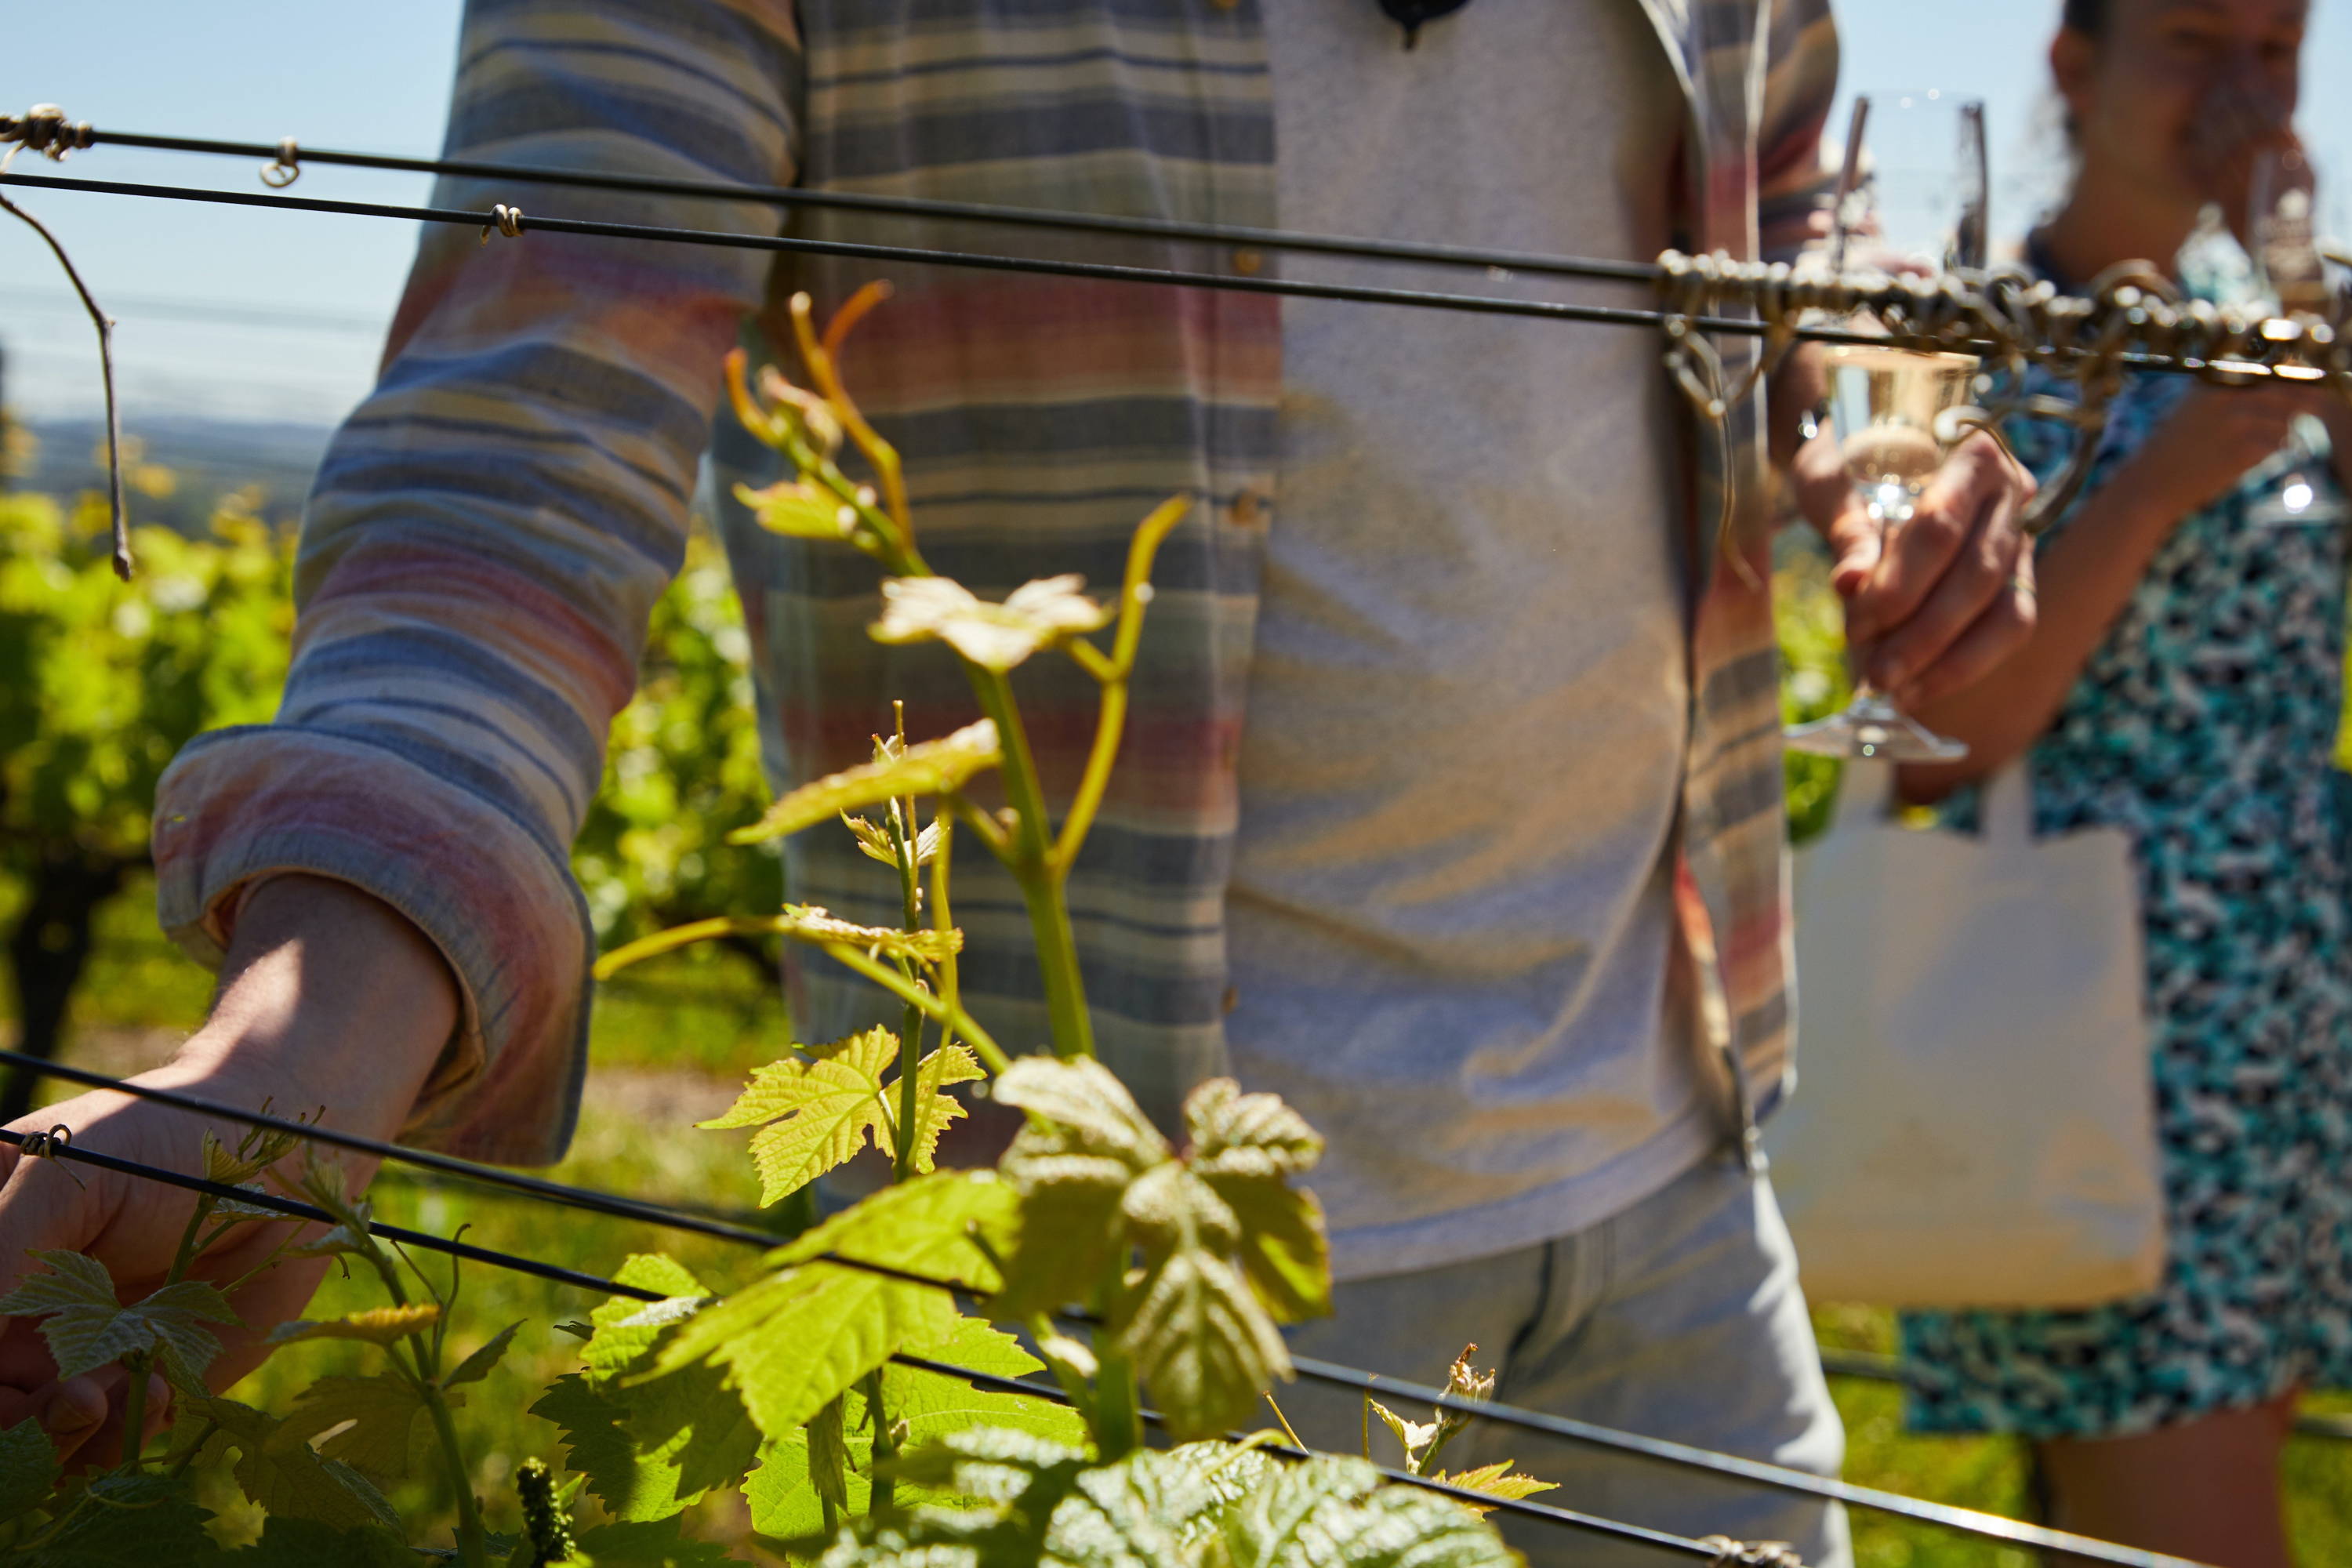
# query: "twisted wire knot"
(47, 1145)
(286, 168)
(1730, 1553)
(507, 220)
(44, 129)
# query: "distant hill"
(208, 457)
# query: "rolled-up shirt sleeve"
(489, 529)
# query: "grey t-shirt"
(1450, 917)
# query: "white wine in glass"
(1895, 414)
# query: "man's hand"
(1947, 596)
(330, 1001)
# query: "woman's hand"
(331, 1002)
(1950, 596)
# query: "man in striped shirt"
(1450, 808)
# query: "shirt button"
(1248, 263)
(1245, 512)
(1233, 999)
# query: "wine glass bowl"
(1895, 414)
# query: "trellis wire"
(1476, 304)
(1584, 1434)
(1701, 278)
(1870, 1367)
(1397, 251)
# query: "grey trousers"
(1680, 1319)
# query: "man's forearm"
(331, 999)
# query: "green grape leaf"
(828, 1456)
(1413, 1436)
(623, 1328)
(131, 1518)
(991, 1464)
(1333, 1510)
(649, 1543)
(486, 1357)
(1091, 1112)
(649, 1452)
(289, 1543)
(1204, 1346)
(1237, 1134)
(1139, 1510)
(1496, 1480)
(924, 1227)
(28, 1467)
(934, 1109)
(391, 1431)
(284, 1477)
(933, 1404)
(927, 767)
(782, 1498)
(1284, 1252)
(874, 844)
(1247, 1147)
(1071, 1171)
(797, 1339)
(377, 1325)
(87, 1328)
(817, 1114)
(799, 509)
(995, 637)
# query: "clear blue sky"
(339, 74)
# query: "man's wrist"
(329, 997)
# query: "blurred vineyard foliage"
(102, 682)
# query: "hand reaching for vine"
(332, 1001)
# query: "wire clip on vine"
(44, 129)
(284, 169)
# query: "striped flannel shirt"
(489, 529)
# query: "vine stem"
(991, 1054)
(105, 325)
(906, 840)
(1031, 865)
(470, 1544)
(1135, 592)
(134, 1409)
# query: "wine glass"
(1896, 414)
(2281, 237)
(1913, 188)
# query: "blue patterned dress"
(2205, 726)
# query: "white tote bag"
(1975, 1124)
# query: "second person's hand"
(1949, 595)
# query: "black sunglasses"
(1411, 13)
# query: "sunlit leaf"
(1336, 1510)
(1496, 1480)
(798, 1338)
(933, 1108)
(389, 1435)
(477, 1366)
(377, 1325)
(928, 768)
(995, 637)
(814, 1115)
